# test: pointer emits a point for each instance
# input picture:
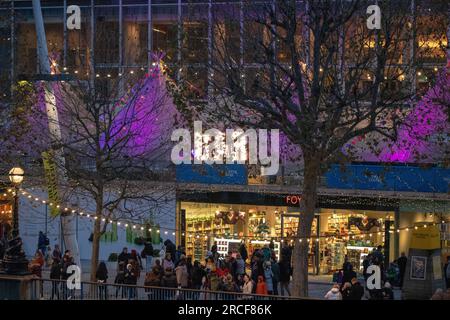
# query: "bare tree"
(315, 71)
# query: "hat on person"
(387, 285)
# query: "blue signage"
(212, 174)
(388, 178)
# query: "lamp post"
(16, 178)
(15, 261)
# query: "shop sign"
(426, 238)
(293, 199)
(212, 174)
(388, 178)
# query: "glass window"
(5, 54)
(165, 32)
(78, 44)
(54, 31)
(25, 46)
(106, 35)
(135, 33)
(195, 33)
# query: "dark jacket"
(147, 251)
(402, 264)
(123, 257)
(197, 275)
(101, 275)
(356, 292)
(243, 252)
(170, 248)
(285, 271)
(275, 272)
(129, 277)
(55, 271)
(169, 280)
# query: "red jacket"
(261, 287)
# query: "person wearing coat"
(247, 288)
(356, 291)
(55, 274)
(197, 275)
(240, 265)
(182, 275)
(243, 251)
(268, 276)
(167, 262)
(261, 287)
(334, 293)
(147, 254)
(285, 276)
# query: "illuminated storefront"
(343, 226)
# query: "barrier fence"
(47, 289)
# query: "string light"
(353, 236)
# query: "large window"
(165, 31)
(135, 34)
(78, 44)
(195, 34)
(107, 35)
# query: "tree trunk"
(307, 209)
(96, 236)
(68, 224)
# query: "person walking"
(334, 293)
(131, 280)
(56, 254)
(152, 279)
(182, 274)
(243, 251)
(43, 242)
(240, 265)
(55, 275)
(197, 275)
(285, 276)
(275, 276)
(102, 276)
(261, 287)
(147, 254)
(401, 262)
(447, 273)
(167, 262)
(345, 291)
(268, 277)
(123, 257)
(356, 291)
(247, 288)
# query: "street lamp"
(15, 261)
(16, 178)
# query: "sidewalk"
(318, 285)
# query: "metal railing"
(47, 289)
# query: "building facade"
(120, 36)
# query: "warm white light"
(16, 175)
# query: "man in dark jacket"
(402, 267)
(170, 248)
(243, 251)
(124, 256)
(356, 291)
(147, 254)
(55, 274)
